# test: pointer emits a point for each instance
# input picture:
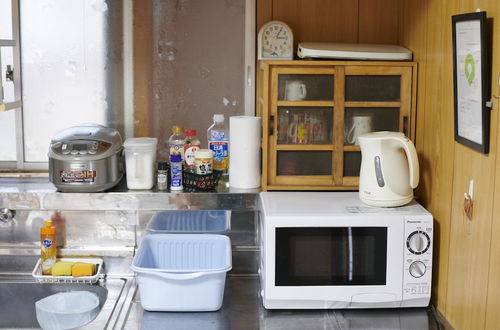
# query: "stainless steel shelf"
(40, 194)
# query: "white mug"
(295, 90)
(360, 124)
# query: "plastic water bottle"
(176, 141)
(175, 172)
(218, 142)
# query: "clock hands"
(279, 33)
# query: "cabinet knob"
(271, 125)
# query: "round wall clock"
(275, 42)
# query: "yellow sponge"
(62, 268)
(82, 269)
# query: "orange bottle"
(48, 245)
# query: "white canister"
(140, 158)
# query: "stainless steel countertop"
(32, 193)
(243, 309)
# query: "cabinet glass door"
(302, 110)
(376, 99)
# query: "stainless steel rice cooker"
(86, 158)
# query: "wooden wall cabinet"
(312, 112)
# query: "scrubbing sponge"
(82, 269)
(62, 268)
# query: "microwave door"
(331, 256)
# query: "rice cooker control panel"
(80, 147)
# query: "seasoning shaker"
(162, 176)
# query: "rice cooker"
(86, 158)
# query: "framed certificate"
(471, 80)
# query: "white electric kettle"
(387, 176)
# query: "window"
(74, 66)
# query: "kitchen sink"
(18, 296)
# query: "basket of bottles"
(193, 182)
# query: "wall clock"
(275, 41)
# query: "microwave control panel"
(417, 257)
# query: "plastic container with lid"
(176, 141)
(203, 161)
(191, 145)
(182, 272)
(140, 158)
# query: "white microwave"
(327, 250)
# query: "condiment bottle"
(191, 145)
(48, 247)
(175, 172)
(203, 161)
(162, 176)
(176, 141)
(218, 142)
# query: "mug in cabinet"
(360, 124)
(295, 90)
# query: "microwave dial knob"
(418, 242)
(417, 269)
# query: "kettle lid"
(381, 135)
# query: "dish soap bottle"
(218, 142)
(48, 245)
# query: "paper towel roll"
(244, 151)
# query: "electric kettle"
(389, 169)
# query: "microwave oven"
(328, 250)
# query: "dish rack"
(37, 272)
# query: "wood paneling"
(378, 21)
(425, 31)
(318, 20)
(465, 279)
(493, 299)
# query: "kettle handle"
(411, 154)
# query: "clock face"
(276, 41)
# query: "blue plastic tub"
(182, 272)
(190, 221)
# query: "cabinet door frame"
(274, 147)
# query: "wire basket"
(200, 182)
(37, 272)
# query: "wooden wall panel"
(470, 240)
(424, 31)
(493, 299)
(466, 280)
(378, 21)
(319, 20)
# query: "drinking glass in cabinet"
(299, 125)
(372, 88)
(305, 87)
(359, 121)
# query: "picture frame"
(471, 80)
